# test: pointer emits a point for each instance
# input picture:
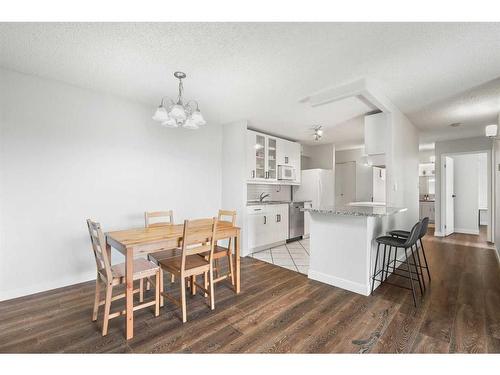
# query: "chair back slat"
(226, 214)
(99, 247)
(198, 237)
(158, 218)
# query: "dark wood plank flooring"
(281, 311)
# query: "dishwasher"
(295, 221)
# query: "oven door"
(286, 172)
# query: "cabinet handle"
(278, 218)
(286, 159)
(253, 173)
(267, 174)
(265, 219)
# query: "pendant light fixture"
(179, 114)
(318, 132)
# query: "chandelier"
(177, 114)
(318, 132)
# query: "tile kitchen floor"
(293, 255)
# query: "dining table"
(140, 241)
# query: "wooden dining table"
(134, 242)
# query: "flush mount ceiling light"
(491, 131)
(177, 114)
(318, 132)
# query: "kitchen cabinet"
(376, 133)
(266, 153)
(427, 209)
(267, 225)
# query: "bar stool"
(423, 232)
(405, 244)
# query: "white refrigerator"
(316, 186)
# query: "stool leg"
(375, 268)
(425, 259)
(416, 270)
(395, 258)
(388, 262)
(411, 278)
(420, 265)
(383, 265)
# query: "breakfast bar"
(342, 244)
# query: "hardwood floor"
(281, 311)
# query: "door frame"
(490, 197)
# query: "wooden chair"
(198, 237)
(223, 252)
(159, 219)
(111, 276)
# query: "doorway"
(466, 194)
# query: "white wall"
(465, 185)
(467, 145)
(67, 154)
(402, 170)
(318, 156)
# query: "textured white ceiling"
(259, 71)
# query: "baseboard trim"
(339, 282)
(466, 231)
(438, 234)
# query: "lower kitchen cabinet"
(427, 209)
(267, 225)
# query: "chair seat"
(400, 233)
(192, 262)
(219, 252)
(165, 254)
(142, 268)
(391, 241)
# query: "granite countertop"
(258, 203)
(377, 211)
(427, 200)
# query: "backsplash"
(277, 192)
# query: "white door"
(449, 224)
(345, 183)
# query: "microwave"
(286, 172)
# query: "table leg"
(237, 256)
(129, 276)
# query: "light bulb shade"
(178, 113)
(190, 124)
(319, 132)
(198, 119)
(491, 130)
(170, 123)
(161, 114)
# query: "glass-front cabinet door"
(272, 169)
(260, 156)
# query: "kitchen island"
(343, 246)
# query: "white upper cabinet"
(376, 134)
(266, 153)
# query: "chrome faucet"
(262, 196)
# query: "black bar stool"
(402, 243)
(423, 232)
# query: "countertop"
(427, 200)
(258, 203)
(378, 211)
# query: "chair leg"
(205, 283)
(375, 268)
(411, 278)
(211, 284)
(141, 290)
(157, 293)
(96, 298)
(107, 307)
(416, 271)
(162, 300)
(388, 262)
(425, 260)
(231, 266)
(383, 264)
(183, 298)
(420, 265)
(193, 285)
